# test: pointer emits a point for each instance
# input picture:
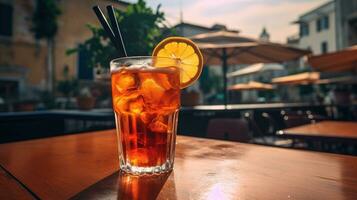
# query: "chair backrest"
(228, 129)
(256, 129)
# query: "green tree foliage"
(45, 19)
(141, 28)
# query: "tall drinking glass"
(146, 101)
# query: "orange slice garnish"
(187, 52)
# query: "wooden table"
(10, 188)
(85, 166)
(325, 130)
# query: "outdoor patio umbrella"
(228, 48)
(256, 68)
(345, 60)
(252, 85)
(301, 78)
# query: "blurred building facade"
(23, 59)
(318, 29)
(327, 28)
(330, 27)
(317, 33)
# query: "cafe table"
(344, 131)
(85, 166)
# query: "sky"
(247, 16)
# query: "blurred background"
(54, 62)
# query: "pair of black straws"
(113, 31)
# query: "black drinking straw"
(116, 29)
(117, 43)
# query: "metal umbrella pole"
(225, 66)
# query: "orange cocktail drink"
(146, 100)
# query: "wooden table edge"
(284, 134)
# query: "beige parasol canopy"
(227, 48)
(301, 78)
(345, 60)
(252, 85)
(243, 50)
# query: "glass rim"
(117, 60)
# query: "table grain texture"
(85, 166)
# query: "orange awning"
(345, 60)
(302, 78)
(252, 85)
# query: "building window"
(318, 25)
(325, 22)
(304, 29)
(324, 47)
(6, 20)
(322, 23)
